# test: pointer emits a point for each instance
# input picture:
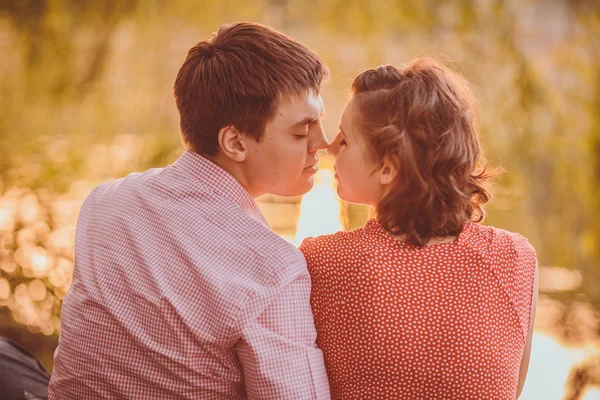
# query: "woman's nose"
(332, 149)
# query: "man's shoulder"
(111, 196)
(211, 219)
(275, 252)
(132, 182)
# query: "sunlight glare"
(319, 209)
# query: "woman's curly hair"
(423, 118)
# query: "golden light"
(29, 315)
(46, 303)
(8, 267)
(47, 327)
(97, 160)
(6, 220)
(61, 240)
(80, 189)
(33, 260)
(4, 289)
(22, 294)
(60, 275)
(123, 151)
(44, 315)
(8, 210)
(65, 211)
(56, 324)
(320, 209)
(41, 230)
(558, 279)
(60, 292)
(40, 261)
(58, 150)
(20, 256)
(29, 209)
(25, 237)
(37, 290)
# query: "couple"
(180, 289)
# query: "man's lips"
(312, 168)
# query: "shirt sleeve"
(277, 350)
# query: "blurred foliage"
(85, 96)
(582, 377)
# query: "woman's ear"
(232, 143)
(388, 172)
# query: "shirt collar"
(219, 181)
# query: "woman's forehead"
(348, 117)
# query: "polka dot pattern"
(445, 321)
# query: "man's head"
(248, 99)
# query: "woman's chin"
(342, 194)
(349, 198)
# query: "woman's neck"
(432, 241)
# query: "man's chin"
(300, 188)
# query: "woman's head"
(409, 146)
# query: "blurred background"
(86, 96)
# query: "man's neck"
(234, 169)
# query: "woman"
(422, 302)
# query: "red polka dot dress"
(445, 321)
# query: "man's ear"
(388, 172)
(232, 143)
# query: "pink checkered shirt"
(180, 290)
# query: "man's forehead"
(309, 104)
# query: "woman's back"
(399, 321)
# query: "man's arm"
(278, 352)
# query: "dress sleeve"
(308, 248)
(526, 265)
(514, 262)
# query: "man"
(180, 290)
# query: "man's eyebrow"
(306, 121)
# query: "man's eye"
(342, 142)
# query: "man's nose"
(319, 140)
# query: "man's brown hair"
(423, 118)
(237, 77)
